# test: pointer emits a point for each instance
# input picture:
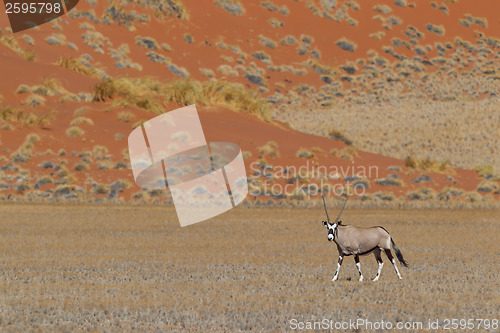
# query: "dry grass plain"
(465, 133)
(65, 268)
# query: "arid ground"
(119, 268)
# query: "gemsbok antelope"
(357, 241)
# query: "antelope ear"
(325, 223)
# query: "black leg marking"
(358, 265)
(389, 255)
(378, 257)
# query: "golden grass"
(484, 170)
(81, 121)
(126, 116)
(74, 131)
(427, 164)
(70, 268)
(9, 41)
(348, 153)
(144, 93)
(270, 149)
(76, 64)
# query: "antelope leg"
(358, 265)
(341, 258)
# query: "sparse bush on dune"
(80, 167)
(221, 45)
(394, 20)
(306, 39)
(288, 40)
(390, 180)
(383, 9)
(352, 22)
(255, 79)
(78, 65)
(35, 100)
(346, 45)
(235, 97)
(339, 135)
(225, 69)
(422, 194)
(81, 121)
(56, 39)
(274, 22)
(233, 7)
(24, 152)
(23, 89)
(188, 38)
(126, 116)
(363, 184)
(177, 70)
(426, 164)
(269, 5)
(147, 42)
(104, 90)
(68, 190)
(353, 4)
(378, 35)
(267, 42)
(81, 111)
(470, 20)
(28, 119)
(488, 186)
(270, 149)
(400, 3)
(449, 193)
(284, 10)
(484, 170)
(166, 47)
(101, 189)
(385, 196)
(44, 180)
(473, 197)
(261, 55)
(436, 29)
(348, 153)
(6, 112)
(305, 153)
(183, 92)
(100, 152)
(167, 8)
(207, 72)
(246, 155)
(74, 131)
(11, 42)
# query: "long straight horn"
(345, 202)
(326, 211)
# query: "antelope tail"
(399, 254)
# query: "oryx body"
(357, 241)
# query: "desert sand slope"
(72, 90)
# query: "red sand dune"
(208, 25)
